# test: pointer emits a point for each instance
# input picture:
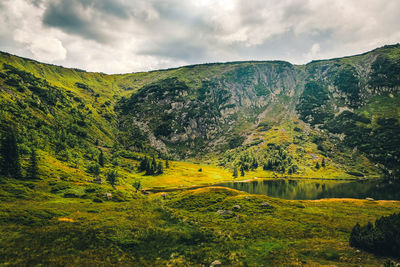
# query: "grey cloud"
(140, 34)
(69, 16)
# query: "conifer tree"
(317, 165)
(112, 177)
(33, 170)
(323, 162)
(101, 158)
(166, 164)
(137, 185)
(241, 170)
(160, 169)
(10, 164)
(235, 172)
(143, 164)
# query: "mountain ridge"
(179, 112)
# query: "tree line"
(10, 165)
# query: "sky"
(122, 36)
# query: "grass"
(65, 219)
(184, 229)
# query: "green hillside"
(70, 139)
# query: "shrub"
(383, 238)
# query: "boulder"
(108, 196)
(265, 205)
(215, 263)
(224, 212)
(369, 198)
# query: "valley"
(133, 169)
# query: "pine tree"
(160, 169)
(241, 170)
(323, 162)
(112, 177)
(317, 166)
(101, 158)
(235, 172)
(166, 164)
(33, 170)
(10, 164)
(143, 164)
(137, 185)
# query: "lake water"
(317, 189)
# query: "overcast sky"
(120, 36)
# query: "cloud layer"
(117, 36)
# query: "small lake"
(303, 189)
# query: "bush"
(93, 169)
(383, 239)
(112, 177)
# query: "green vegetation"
(347, 81)
(383, 239)
(312, 102)
(82, 162)
(10, 162)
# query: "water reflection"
(317, 189)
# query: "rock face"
(211, 108)
(170, 115)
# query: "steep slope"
(256, 115)
(221, 109)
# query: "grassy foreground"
(182, 228)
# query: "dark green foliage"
(235, 172)
(293, 169)
(101, 158)
(137, 185)
(94, 169)
(315, 95)
(166, 164)
(33, 169)
(317, 166)
(279, 160)
(347, 81)
(261, 90)
(160, 168)
(264, 126)
(385, 72)
(236, 141)
(383, 239)
(151, 167)
(241, 170)
(380, 143)
(84, 86)
(112, 177)
(144, 164)
(323, 163)
(9, 154)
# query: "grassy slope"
(184, 230)
(110, 88)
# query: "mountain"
(111, 170)
(272, 114)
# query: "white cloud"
(48, 49)
(124, 36)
